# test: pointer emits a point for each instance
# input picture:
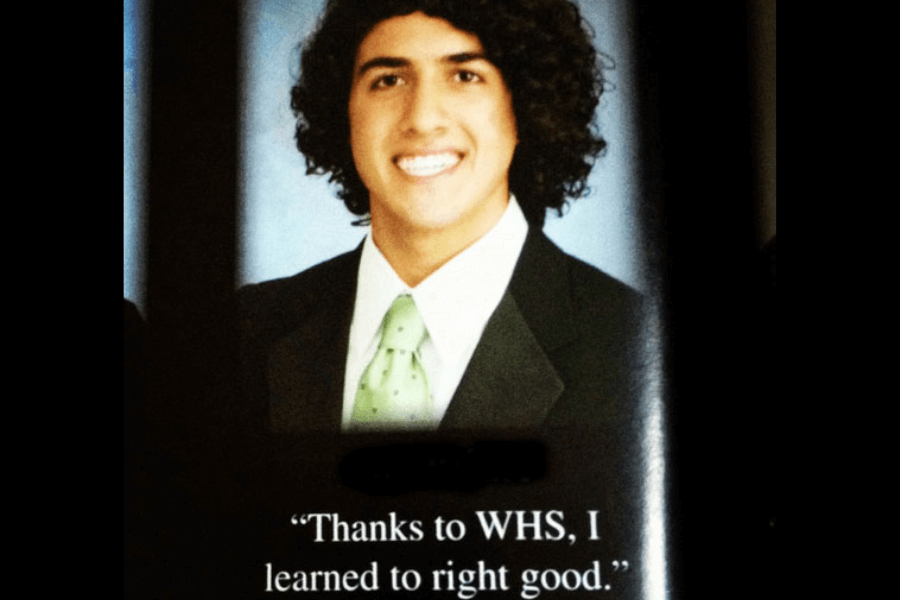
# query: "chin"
(434, 221)
(432, 211)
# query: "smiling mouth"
(428, 164)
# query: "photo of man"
(451, 129)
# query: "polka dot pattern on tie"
(393, 392)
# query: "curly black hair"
(543, 49)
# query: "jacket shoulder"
(285, 302)
(594, 289)
(551, 281)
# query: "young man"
(450, 128)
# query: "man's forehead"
(418, 37)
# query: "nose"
(425, 111)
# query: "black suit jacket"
(561, 349)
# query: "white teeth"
(429, 164)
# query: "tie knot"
(403, 326)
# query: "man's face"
(432, 129)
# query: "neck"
(413, 260)
(414, 254)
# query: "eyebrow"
(393, 62)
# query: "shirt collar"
(456, 300)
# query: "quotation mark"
(623, 565)
(301, 520)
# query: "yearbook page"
(555, 196)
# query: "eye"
(386, 81)
(468, 77)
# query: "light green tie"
(393, 392)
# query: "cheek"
(501, 123)
(370, 129)
(505, 134)
(509, 119)
(361, 142)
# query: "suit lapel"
(511, 381)
(306, 367)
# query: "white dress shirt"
(455, 302)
